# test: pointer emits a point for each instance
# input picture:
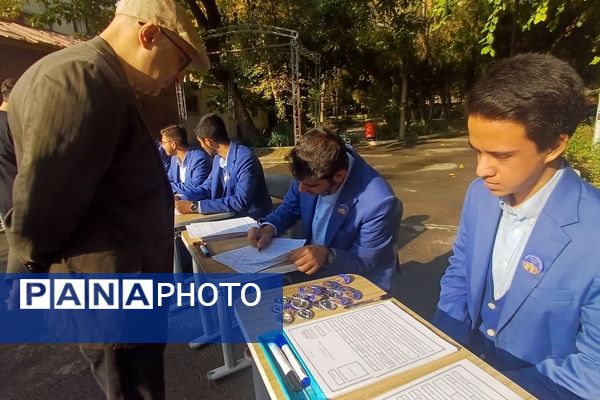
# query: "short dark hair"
(319, 153)
(7, 86)
(539, 91)
(176, 133)
(211, 126)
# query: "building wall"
(36, 8)
(202, 98)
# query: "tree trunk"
(246, 128)
(403, 96)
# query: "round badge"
(343, 278)
(533, 264)
(277, 309)
(283, 300)
(343, 209)
(305, 314)
(331, 284)
(287, 318)
(327, 305)
(344, 301)
(300, 303)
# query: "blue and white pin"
(533, 264)
(343, 209)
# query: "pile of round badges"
(326, 296)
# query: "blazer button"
(491, 332)
(491, 306)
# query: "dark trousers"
(128, 373)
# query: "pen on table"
(373, 300)
(288, 374)
(294, 363)
(204, 249)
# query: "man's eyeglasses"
(188, 59)
(165, 142)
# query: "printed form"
(461, 380)
(359, 347)
(225, 227)
(249, 260)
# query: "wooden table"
(369, 291)
(207, 265)
(179, 225)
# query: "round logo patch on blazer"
(343, 210)
(533, 264)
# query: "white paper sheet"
(359, 347)
(461, 380)
(226, 227)
(249, 260)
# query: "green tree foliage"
(95, 14)
(391, 58)
(10, 9)
(568, 28)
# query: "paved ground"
(430, 177)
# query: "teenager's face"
(508, 161)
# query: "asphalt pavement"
(430, 177)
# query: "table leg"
(231, 364)
(210, 334)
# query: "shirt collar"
(223, 161)
(532, 207)
(182, 163)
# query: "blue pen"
(294, 363)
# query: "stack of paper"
(461, 380)
(249, 260)
(357, 348)
(220, 229)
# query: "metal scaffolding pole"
(296, 50)
(296, 100)
(181, 106)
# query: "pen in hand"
(258, 237)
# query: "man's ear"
(147, 34)
(340, 176)
(558, 149)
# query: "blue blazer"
(552, 319)
(198, 169)
(361, 227)
(246, 191)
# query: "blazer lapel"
(488, 218)
(189, 161)
(230, 167)
(216, 189)
(547, 241)
(345, 203)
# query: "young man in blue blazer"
(523, 287)
(187, 168)
(236, 182)
(348, 210)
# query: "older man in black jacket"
(91, 194)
